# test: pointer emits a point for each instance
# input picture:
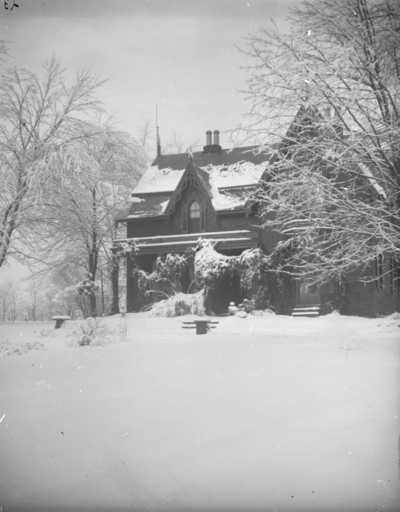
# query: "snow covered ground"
(264, 413)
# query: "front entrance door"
(308, 294)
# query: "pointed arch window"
(194, 217)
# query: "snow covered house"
(326, 213)
(184, 197)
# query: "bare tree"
(3, 50)
(34, 300)
(42, 127)
(10, 299)
(145, 138)
(175, 145)
(326, 102)
(78, 219)
(5, 292)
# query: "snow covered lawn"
(264, 413)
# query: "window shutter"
(184, 218)
(203, 217)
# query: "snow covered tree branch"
(43, 122)
(326, 102)
(77, 221)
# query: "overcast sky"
(179, 54)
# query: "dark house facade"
(183, 197)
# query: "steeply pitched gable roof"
(236, 167)
(198, 176)
(145, 206)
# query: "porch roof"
(225, 240)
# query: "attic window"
(195, 210)
(194, 217)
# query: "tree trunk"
(102, 293)
(92, 305)
(93, 255)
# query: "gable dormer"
(192, 196)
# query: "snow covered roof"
(150, 205)
(227, 177)
(224, 198)
(229, 168)
(158, 179)
(235, 239)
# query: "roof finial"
(190, 153)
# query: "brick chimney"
(212, 147)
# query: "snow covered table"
(202, 326)
(60, 319)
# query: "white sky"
(179, 54)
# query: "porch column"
(114, 285)
(122, 283)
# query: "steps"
(310, 311)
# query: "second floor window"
(194, 217)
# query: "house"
(205, 194)
(371, 289)
(184, 197)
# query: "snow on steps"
(310, 311)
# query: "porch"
(149, 248)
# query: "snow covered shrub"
(92, 331)
(255, 279)
(168, 278)
(87, 286)
(211, 266)
(125, 249)
(180, 304)
(79, 295)
(213, 270)
(169, 273)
